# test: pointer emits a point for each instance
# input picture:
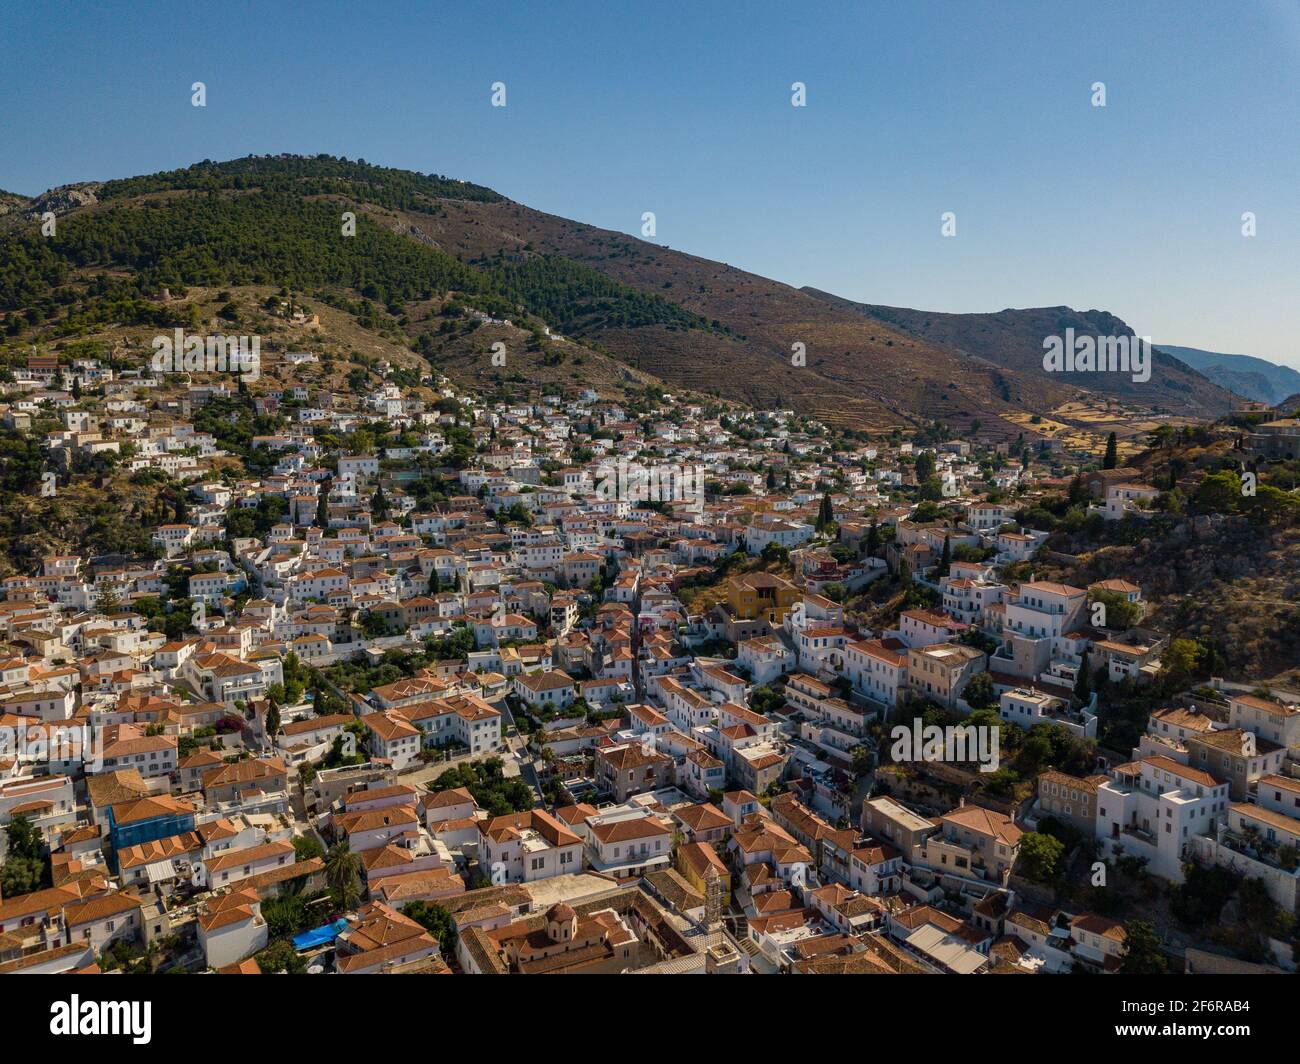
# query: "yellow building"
(698, 863)
(754, 595)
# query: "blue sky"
(684, 109)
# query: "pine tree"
(106, 599)
(873, 540)
(323, 506)
(945, 559)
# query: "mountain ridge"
(688, 321)
(1255, 378)
(1013, 338)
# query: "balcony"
(1263, 851)
(1140, 834)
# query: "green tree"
(1120, 612)
(280, 957)
(1112, 452)
(343, 874)
(1179, 664)
(306, 847)
(825, 513)
(272, 720)
(1040, 857)
(1141, 954)
(1083, 681)
(1218, 493)
(106, 599)
(873, 540)
(978, 692)
(25, 868)
(436, 920)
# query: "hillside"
(1222, 580)
(1255, 378)
(432, 257)
(12, 206)
(132, 257)
(1214, 565)
(1013, 339)
(856, 373)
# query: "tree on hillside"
(1083, 682)
(873, 540)
(1112, 453)
(272, 720)
(1040, 857)
(1218, 493)
(1141, 954)
(945, 559)
(1179, 664)
(826, 513)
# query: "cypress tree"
(1112, 453)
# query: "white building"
(1154, 809)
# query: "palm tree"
(343, 874)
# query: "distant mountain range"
(428, 245)
(1013, 339)
(1255, 378)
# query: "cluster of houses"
(670, 669)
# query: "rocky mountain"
(1255, 378)
(1013, 339)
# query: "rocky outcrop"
(64, 198)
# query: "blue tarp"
(320, 936)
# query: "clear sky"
(616, 108)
